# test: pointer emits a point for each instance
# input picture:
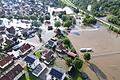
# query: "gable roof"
(68, 10)
(29, 60)
(61, 47)
(11, 30)
(7, 59)
(12, 73)
(57, 74)
(2, 28)
(48, 56)
(25, 47)
(8, 41)
(1, 39)
(51, 43)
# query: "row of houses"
(37, 67)
(14, 74)
(23, 7)
(9, 71)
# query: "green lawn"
(38, 54)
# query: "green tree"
(112, 19)
(74, 21)
(9, 17)
(68, 24)
(36, 23)
(33, 17)
(41, 19)
(67, 42)
(25, 17)
(64, 17)
(77, 63)
(47, 17)
(76, 10)
(89, 20)
(87, 56)
(39, 35)
(57, 24)
(61, 14)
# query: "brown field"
(106, 56)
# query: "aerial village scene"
(54, 40)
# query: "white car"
(86, 49)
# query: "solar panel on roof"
(38, 69)
(56, 73)
(51, 43)
(29, 60)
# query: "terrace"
(25, 48)
(6, 61)
(39, 69)
(13, 74)
(56, 74)
(32, 61)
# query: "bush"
(68, 61)
(87, 56)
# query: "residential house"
(32, 61)
(1, 39)
(1, 21)
(2, 29)
(14, 74)
(2, 12)
(9, 44)
(48, 56)
(56, 74)
(28, 32)
(6, 61)
(25, 48)
(52, 43)
(56, 11)
(10, 32)
(68, 10)
(39, 69)
(61, 49)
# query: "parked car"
(86, 50)
(50, 27)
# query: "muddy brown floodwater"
(106, 56)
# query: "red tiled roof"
(61, 47)
(6, 60)
(13, 73)
(25, 47)
(71, 54)
(48, 55)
